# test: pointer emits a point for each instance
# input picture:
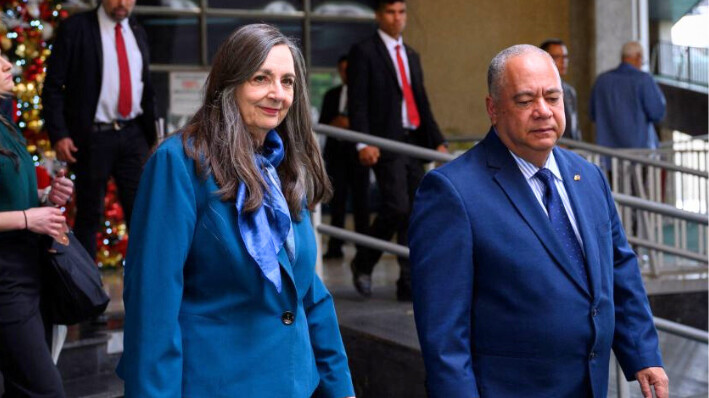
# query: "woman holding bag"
(25, 360)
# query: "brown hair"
(217, 139)
(6, 152)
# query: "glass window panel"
(332, 39)
(172, 4)
(263, 5)
(172, 40)
(319, 84)
(360, 8)
(218, 29)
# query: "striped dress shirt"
(529, 170)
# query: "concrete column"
(643, 33)
(614, 26)
(616, 23)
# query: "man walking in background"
(560, 54)
(347, 175)
(625, 102)
(387, 99)
(99, 108)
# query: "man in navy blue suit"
(523, 279)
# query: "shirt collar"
(106, 20)
(389, 41)
(529, 170)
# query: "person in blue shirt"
(221, 295)
(625, 102)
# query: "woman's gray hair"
(217, 139)
(496, 70)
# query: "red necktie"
(124, 91)
(411, 109)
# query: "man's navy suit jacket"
(73, 82)
(500, 310)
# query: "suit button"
(287, 318)
(594, 312)
(592, 356)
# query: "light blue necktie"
(560, 221)
(269, 228)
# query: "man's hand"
(62, 188)
(369, 155)
(655, 377)
(65, 149)
(341, 121)
(442, 149)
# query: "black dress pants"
(398, 177)
(119, 154)
(347, 176)
(25, 358)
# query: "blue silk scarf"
(268, 229)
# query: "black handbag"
(73, 289)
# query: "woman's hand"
(46, 221)
(62, 188)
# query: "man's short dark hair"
(383, 3)
(343, 58)
(551, 42)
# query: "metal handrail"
(674, 328)
(364, 240)
(403, 251)
(601, 150)
(678, 329)
(383, 143)
(622, 155)
(431, 155)
(667, 250)
(660, 208)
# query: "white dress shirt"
(529, 170)
(107, 109)
(391, 44)
(342, 106)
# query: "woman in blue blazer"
(220, 293)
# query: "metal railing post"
(622, 385)
(317, 221)
(689, 64)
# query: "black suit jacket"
(330, 105)
(73, 82)
(374, 96)
(330, 109)
(571, 111)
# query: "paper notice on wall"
(186, 92)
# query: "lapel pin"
(577, 177)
